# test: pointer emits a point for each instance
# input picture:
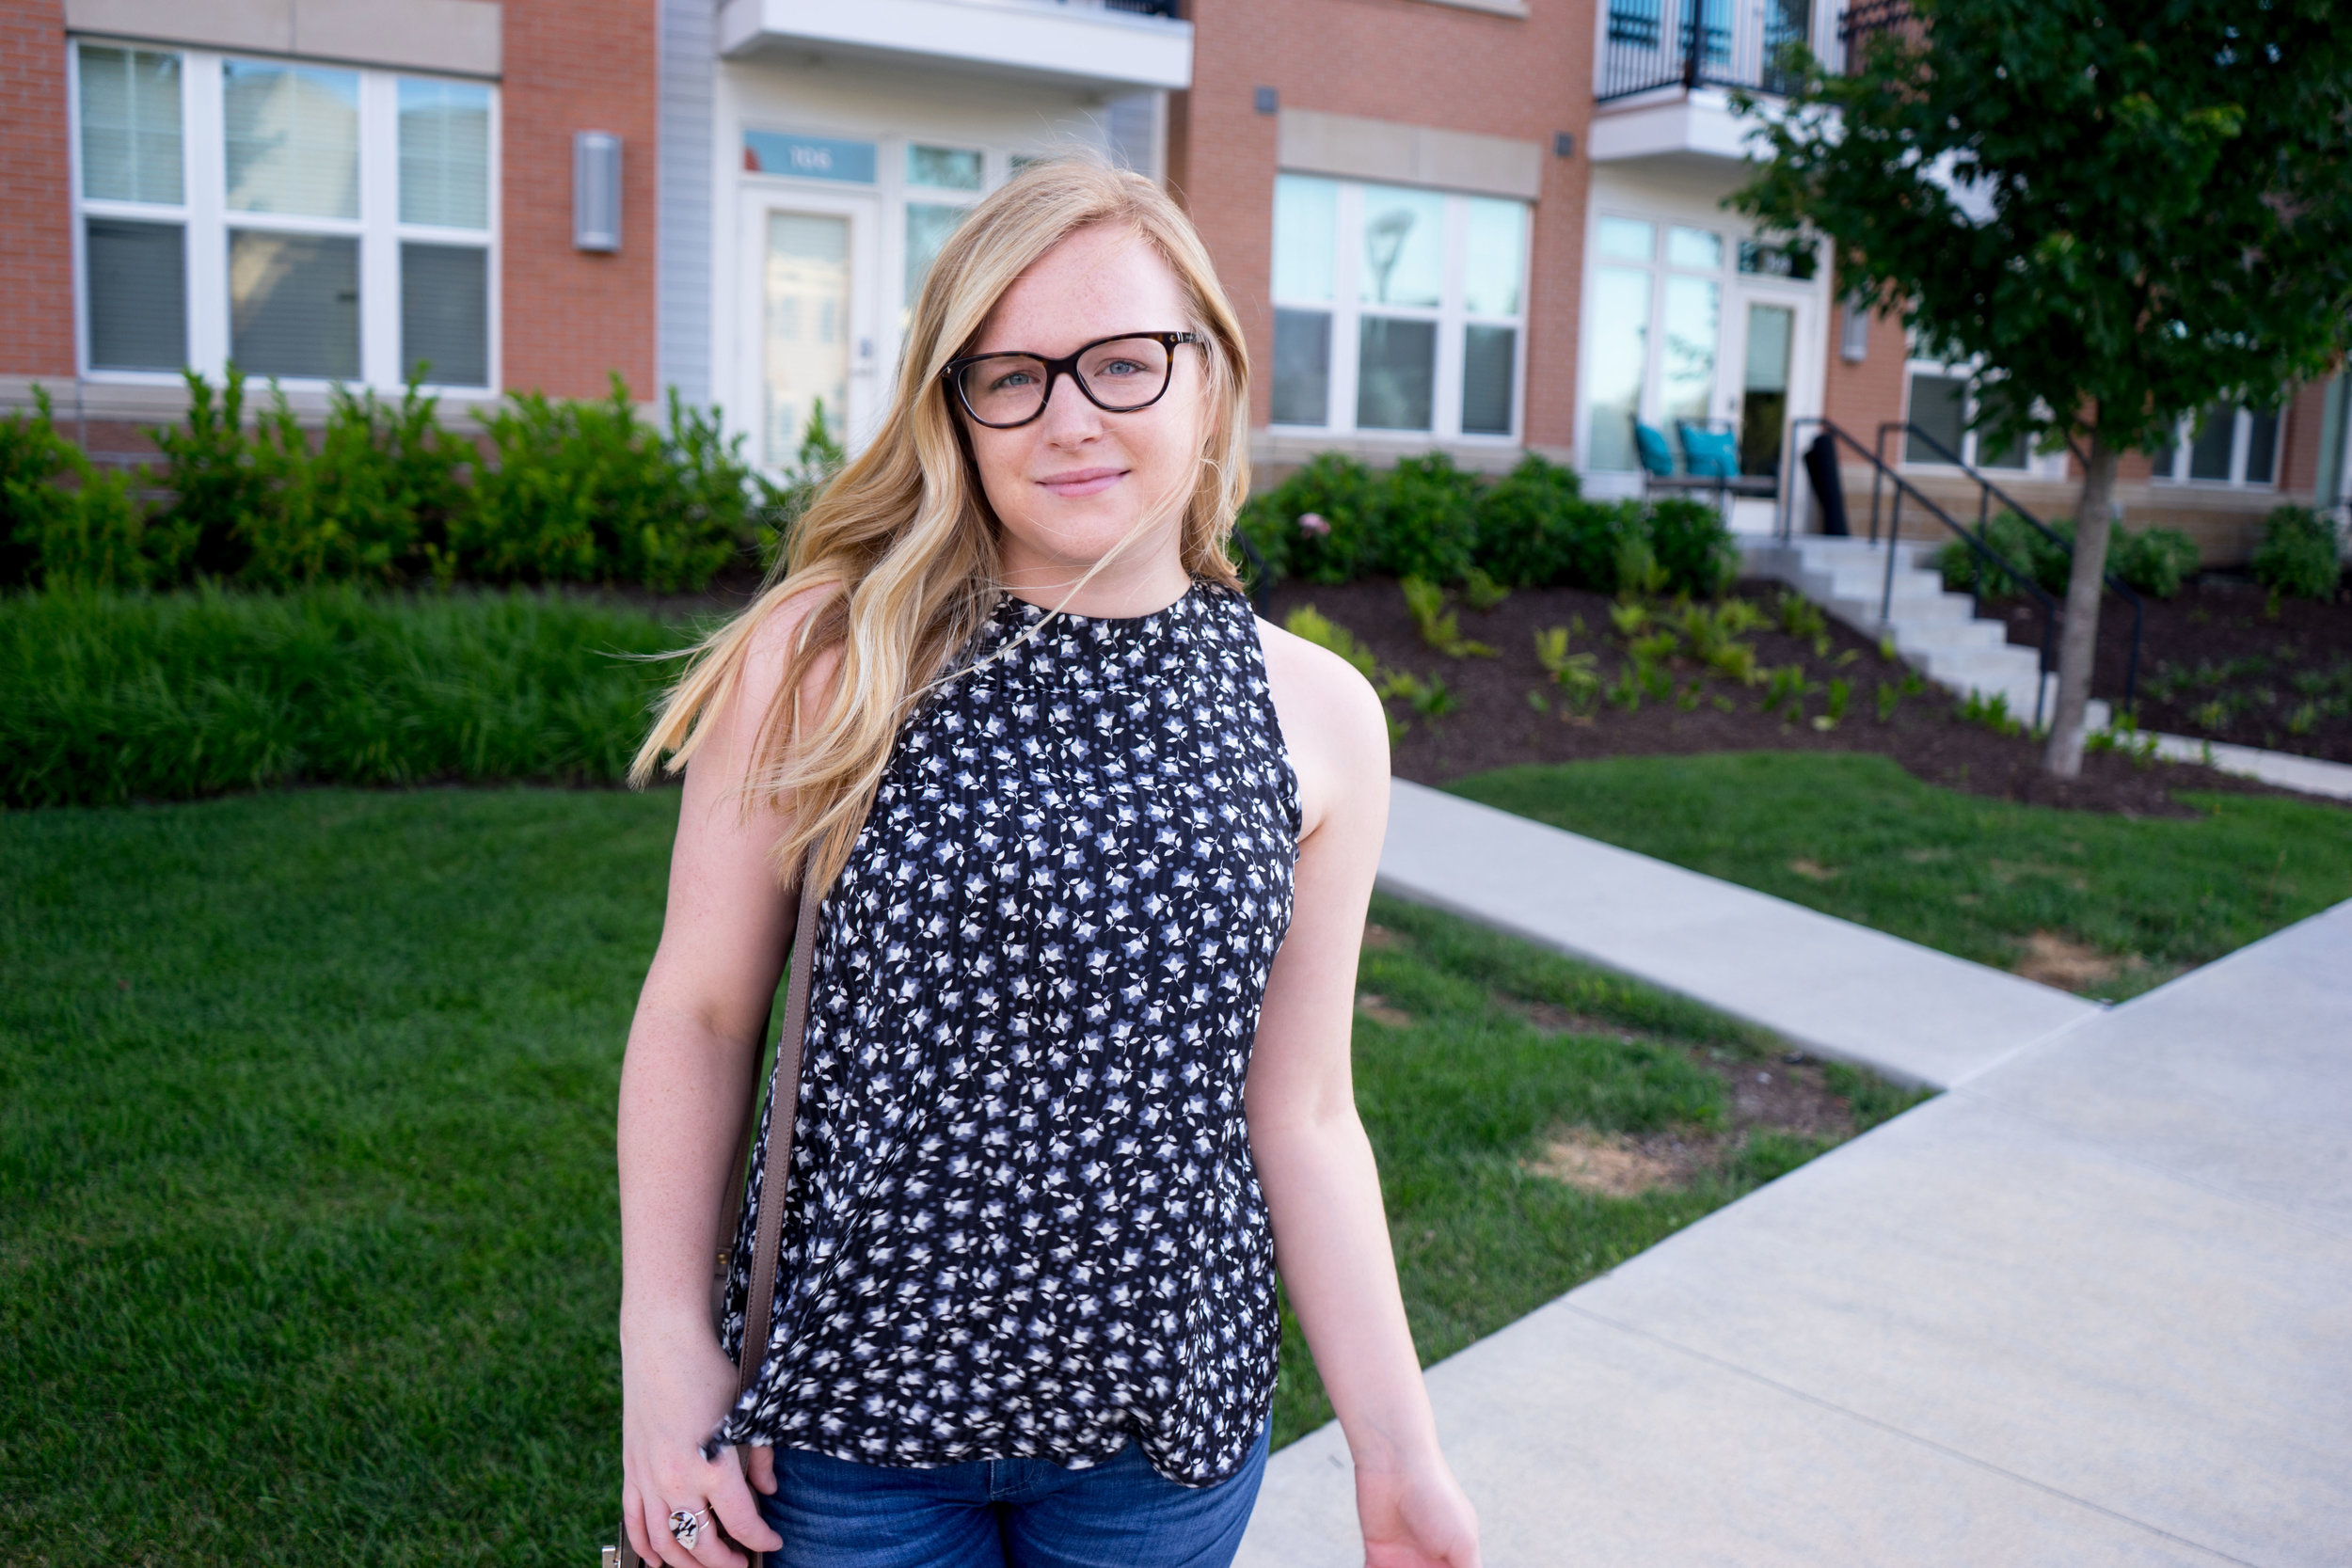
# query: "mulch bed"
(1494, 724)
(2223, 661)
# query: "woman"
(1094, 847)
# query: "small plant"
(1888, 654)
(1786, 690)
(1889, 696)
(1640, 575)
(1991, 712)
(1481, 592)
(1688, 700)
(1316, 627)
(1629, 617)
(1438, 624)
(1626, 691)
(1801, 619)
(1834, 708)
(1577, 675)
(2298, 555)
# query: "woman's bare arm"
(1314, 1161)
(685, 1090)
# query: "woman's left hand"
(1416, 1516)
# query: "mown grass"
(106, 698)
(309, 1254)
(1854, 835)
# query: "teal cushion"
(1651, 444)
(1710, 454)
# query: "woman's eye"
(1012, 381)
(1119, 367)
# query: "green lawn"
(309, 1255)
(1854, 835)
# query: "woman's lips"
(1083, 482)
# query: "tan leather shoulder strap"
(784, 1090)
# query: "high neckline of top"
(1021, 613)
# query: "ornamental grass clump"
(106, 698)
(2298, 554)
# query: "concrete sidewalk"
(1840, 989)
(2094, 1307)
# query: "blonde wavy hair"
(899, 551)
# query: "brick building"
(1486, 226)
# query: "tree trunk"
(2079, 642)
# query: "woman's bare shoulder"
(1332, 721)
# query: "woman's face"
(1076, 480)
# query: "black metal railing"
(1143, 8)
(1987, 492)
(1904, 490)
(1651, 44)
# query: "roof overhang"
(1076, 44)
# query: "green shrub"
(93, 533)
(1427, 523)
(1535, 526)
(1693, 545)
(110, 697)
(1343, 498)
(2154, 562)
(2298, 554)
(371, 502)
(587, 491)
(32, 457)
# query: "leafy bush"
(92, 533)
(1427, 522)
(579, 492)
(1334, 520)
(110, 697)
(2298, 554)
(2154, 562)
(1693, 545)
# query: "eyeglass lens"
(1124, 375)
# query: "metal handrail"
(1880, 473)
(1987, 492)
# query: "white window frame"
(2171, 468)
(205, 221)
(1347, 310)
(2037, 465)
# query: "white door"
(812, 272)
(1772, 371)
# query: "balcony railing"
(1725, 43)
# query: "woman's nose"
(1070, 414)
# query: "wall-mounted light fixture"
(1564, 144)
(1854, 334)
(1268, 100)
(595, 191)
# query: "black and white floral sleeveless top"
(1023, 1217)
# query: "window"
(1397, 308)
(1938, 407)
(2226, 444)
(1686, 329)
(333, 225)
(937, 177)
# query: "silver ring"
(686, 1528)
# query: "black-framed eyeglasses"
(1118, 375)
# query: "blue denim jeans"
(1005, 1513)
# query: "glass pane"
(129, 125)
(294, 304)
(1764, 387)
(1306, 237)
(1486, 355)
(1939, 407)
(445, 153)
(1776, 260)
(945, 169)
(2012, 455)
(806, 286)
(1695, 247)
(1396, 373)
(1629, 239)
(2209, 449)
(929, 225)
(1403, 256)
(1494, 257)
(1620, 327)
(1686, 378)
(139, 295)
(292, 139)
(2262, 446)
(1302, 366)
(445, 313)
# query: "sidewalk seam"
(1888, 1427)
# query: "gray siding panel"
(682, 251)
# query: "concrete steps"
(1935, 631)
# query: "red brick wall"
(35, 193)
(1406, 60)
(2299, 430)
(571, 317)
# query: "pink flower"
(1312, 522)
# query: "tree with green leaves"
(2123, 210)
